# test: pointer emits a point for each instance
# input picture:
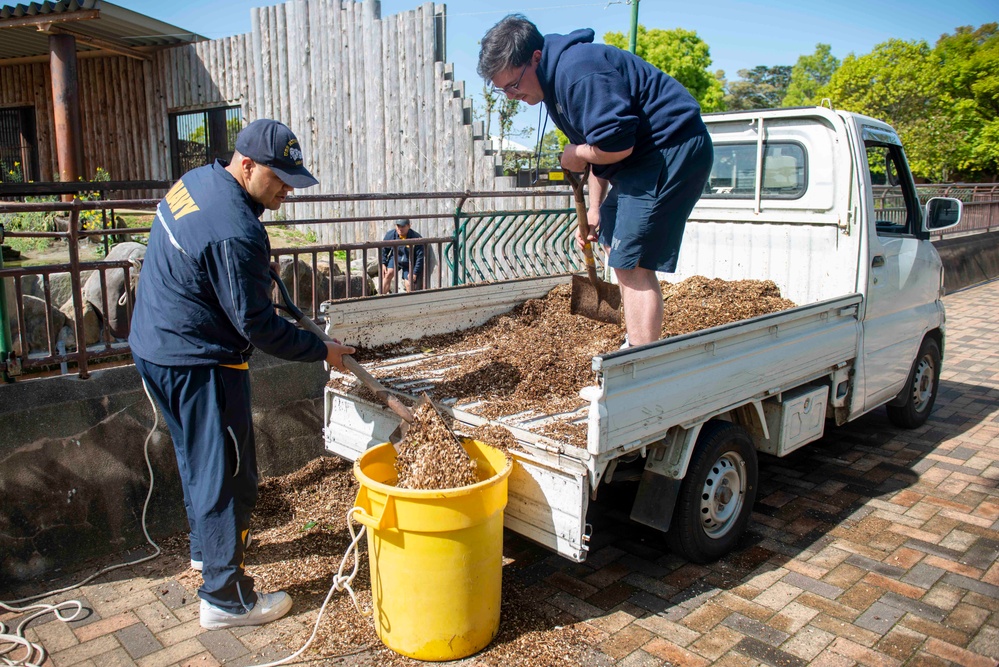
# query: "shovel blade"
(600, 301)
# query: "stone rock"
(356, 286)
(91, 323)
(60, 285)
(323, 271)
(31, 285)
(36, 332)
(116, 319)
(373, 270)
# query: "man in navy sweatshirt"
(203, 304)
(638, 129)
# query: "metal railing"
(483, 246)
(980, 202)
(47, 344)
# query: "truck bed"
(637, 394)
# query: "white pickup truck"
(819, 201)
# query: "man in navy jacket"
(638, 129)
(203, 304)
(398, 257)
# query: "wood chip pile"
(539, 354)
(430, 456)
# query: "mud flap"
(655, 500)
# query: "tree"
(760, 88)
(489, 98)
(808, 75)
(681, 54)
(552, 145)
(968, 62)
(897, 82)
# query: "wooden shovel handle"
(363, 375)
(582, 221)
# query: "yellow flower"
(17, 164)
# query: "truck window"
(733, 175)
(895, 206)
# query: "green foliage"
(490, 100)
(808, 75)
(681, 54)
(33, 221)
(944, 101)
(552, 145)
(759, 88)
(505, 110)
(92, 219)
(199, 134)
(12, 173)
(968, 65)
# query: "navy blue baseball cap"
(273, 144)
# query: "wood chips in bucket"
(430, 456)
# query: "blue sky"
(740, 35)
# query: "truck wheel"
(717, 494)
(920, 388)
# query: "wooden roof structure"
(99, 27)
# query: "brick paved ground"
(874, 547)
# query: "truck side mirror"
(942, 213)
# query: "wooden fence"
(372, 100)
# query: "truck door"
(903, 273)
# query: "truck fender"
(665, 466)
(902, 396)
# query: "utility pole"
(633, 40)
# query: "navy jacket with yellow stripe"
(204, 291)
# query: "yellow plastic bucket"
(436, 557)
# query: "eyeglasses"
(513, 87)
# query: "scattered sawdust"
(494, 436)
(299, 537)
(430, 456)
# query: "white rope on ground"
(340, 583)
(12, 640)
(35, 653)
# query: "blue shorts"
(643, 217)
(403, 268)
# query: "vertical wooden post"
(66, 107)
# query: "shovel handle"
(582, 222)
(363, 375)
(348, 361)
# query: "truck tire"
(920, 388)
(717, 494)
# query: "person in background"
(639, 130)
(408, 260)
(202, 306)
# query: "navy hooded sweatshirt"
(609, 98)
(204, 292)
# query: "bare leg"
(387, 275)
(643, 304)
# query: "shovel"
(352, 365)
(591, 297)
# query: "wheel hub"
(723, 494)
(922, 388)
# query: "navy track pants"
(207, 409)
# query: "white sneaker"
(626, 344)
(200, 565)
(269, 607)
